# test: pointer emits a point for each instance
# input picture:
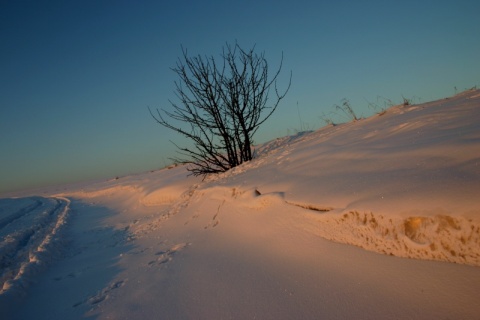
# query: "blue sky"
(77, 77)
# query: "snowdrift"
(403, 183)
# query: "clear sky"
(77, 77)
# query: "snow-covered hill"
(317, 226)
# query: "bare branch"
(223, 106)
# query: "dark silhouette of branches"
(221, 107)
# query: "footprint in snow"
(166, 256)
(102, 295)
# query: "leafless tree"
(221, 106)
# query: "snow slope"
(318, 226)
(405, 183)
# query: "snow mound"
(166, 195)
(404, 183)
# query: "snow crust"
(378, 218)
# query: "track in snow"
(30, 238)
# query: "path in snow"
(30, 233)
(88, 249)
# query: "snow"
(377, 218)
(30, 229)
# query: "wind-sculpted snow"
(434, 235)
(30, 238)
(404, 183)
(431, 236)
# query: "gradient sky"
(77, 77)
